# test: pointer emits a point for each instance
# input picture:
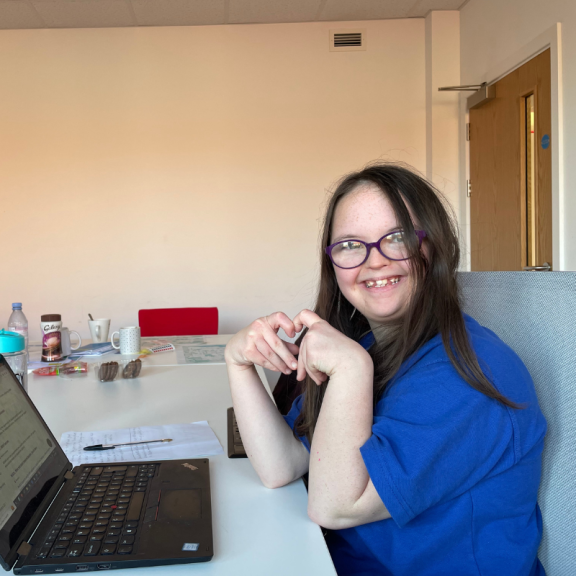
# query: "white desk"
(257, 531)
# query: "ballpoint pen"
(112, 446)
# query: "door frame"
(550, 39)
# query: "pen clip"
(98, 447)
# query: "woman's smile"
(388, 282)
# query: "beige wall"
(492, 32)
(158, 167)
(442, 108)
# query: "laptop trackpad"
(180, 505)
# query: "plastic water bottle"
(18, 323)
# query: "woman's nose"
(376, 259)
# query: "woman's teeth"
(382, 283)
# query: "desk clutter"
(61, 353)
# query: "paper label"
(51, 346)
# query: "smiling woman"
(419, 428)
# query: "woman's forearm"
(276, 455)
(338, 477)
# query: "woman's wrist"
(232, 362)
(360, 364)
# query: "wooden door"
(511, 172)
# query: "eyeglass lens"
(350, 253)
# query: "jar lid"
(10, 342)
(51, 318)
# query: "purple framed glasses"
(353, 253)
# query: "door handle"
(545, 268)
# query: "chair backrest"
(535, 314)
(178, 321)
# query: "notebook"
(55, 518)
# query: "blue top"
(458, 471)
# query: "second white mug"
(129, 340)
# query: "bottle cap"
(51, 318)
(17, 306)
(10, 342)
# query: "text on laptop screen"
(25, 449)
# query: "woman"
(419, 428)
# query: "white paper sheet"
(188, 441)
(200, 354)
(211, 340)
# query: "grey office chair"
(535, 314)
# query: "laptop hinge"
(24, 549)
(69, 475)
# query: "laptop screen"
(30, 460)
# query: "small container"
(106, 371)
(131, 368)
(13, 348)
(51, 325)
(73, 369)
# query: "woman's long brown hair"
(435, 305)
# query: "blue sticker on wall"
(545, 141)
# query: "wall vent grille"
(347, 40)
(351, 39)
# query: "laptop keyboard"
(102, 514)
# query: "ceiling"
(23, 14)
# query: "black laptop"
(55, 518)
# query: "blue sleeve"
(433, 438)
(290, 418)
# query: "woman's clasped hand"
(259, 344)
(322, 352)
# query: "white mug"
(99, 329)
(129, 340)
(65, 340)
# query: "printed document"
(188, 441)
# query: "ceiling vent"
(347, 40)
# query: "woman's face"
(380, 288)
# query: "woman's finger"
(278, 346)
(301, 370)
(306, 318)
(280, 320)
(260, 360)
(264, 348)
(305, 368)
(283, 351)
(316, 375)
(320, 377)
(293, 348)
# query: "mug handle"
(112, 340)
(79, 340)
(97, 330)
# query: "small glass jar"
(13, 348)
